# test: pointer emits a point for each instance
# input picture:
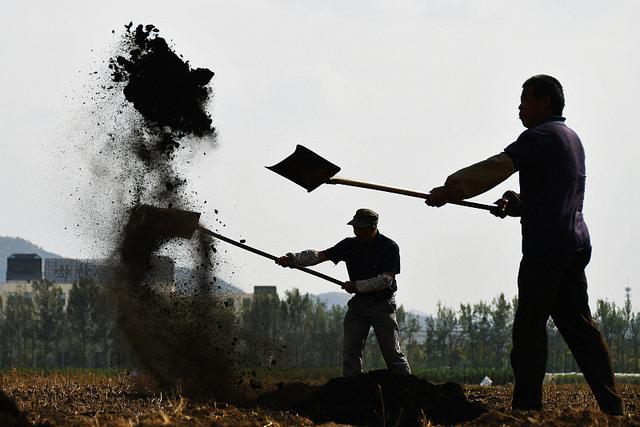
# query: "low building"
(24, 267)
(70, 270)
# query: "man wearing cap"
(373, 260)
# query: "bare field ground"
(94, 399)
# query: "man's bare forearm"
(479, 177)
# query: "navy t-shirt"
(550, 160)
(367, 260)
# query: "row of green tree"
(479, 336)
(40, 329)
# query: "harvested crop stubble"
(90, 399)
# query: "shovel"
(165, 224)
(310, 171)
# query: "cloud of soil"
(181, 339)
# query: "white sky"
(395, 92)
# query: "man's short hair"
(543, 85)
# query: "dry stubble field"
(93, 399)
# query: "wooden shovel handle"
(410, 193)
(267, 255)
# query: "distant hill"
(334, 298)
(422, 314)
(185, 282)
(341, 298)
(16, 245)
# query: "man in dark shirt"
(555, 243)
(373, 260)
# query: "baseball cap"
(364, 218)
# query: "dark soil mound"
(10, 415)
(288, 396)
(377, 398)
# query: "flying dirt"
(183, 339)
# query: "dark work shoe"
(614, 407)
(615, 411)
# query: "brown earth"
(82, 399)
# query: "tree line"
(472, 336)
(38, 330)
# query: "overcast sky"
(395, 92)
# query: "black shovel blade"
(162, 223)
(305, 168)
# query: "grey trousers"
(363, 313)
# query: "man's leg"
(385, 325)
(572, 316)
(356, 330)
(537, 288)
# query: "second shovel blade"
(306, 168)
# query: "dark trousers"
(363, 313)
(557, 287)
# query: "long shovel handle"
(267, 255)
(410, 193)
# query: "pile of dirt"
(10, 415)
(376, 398)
